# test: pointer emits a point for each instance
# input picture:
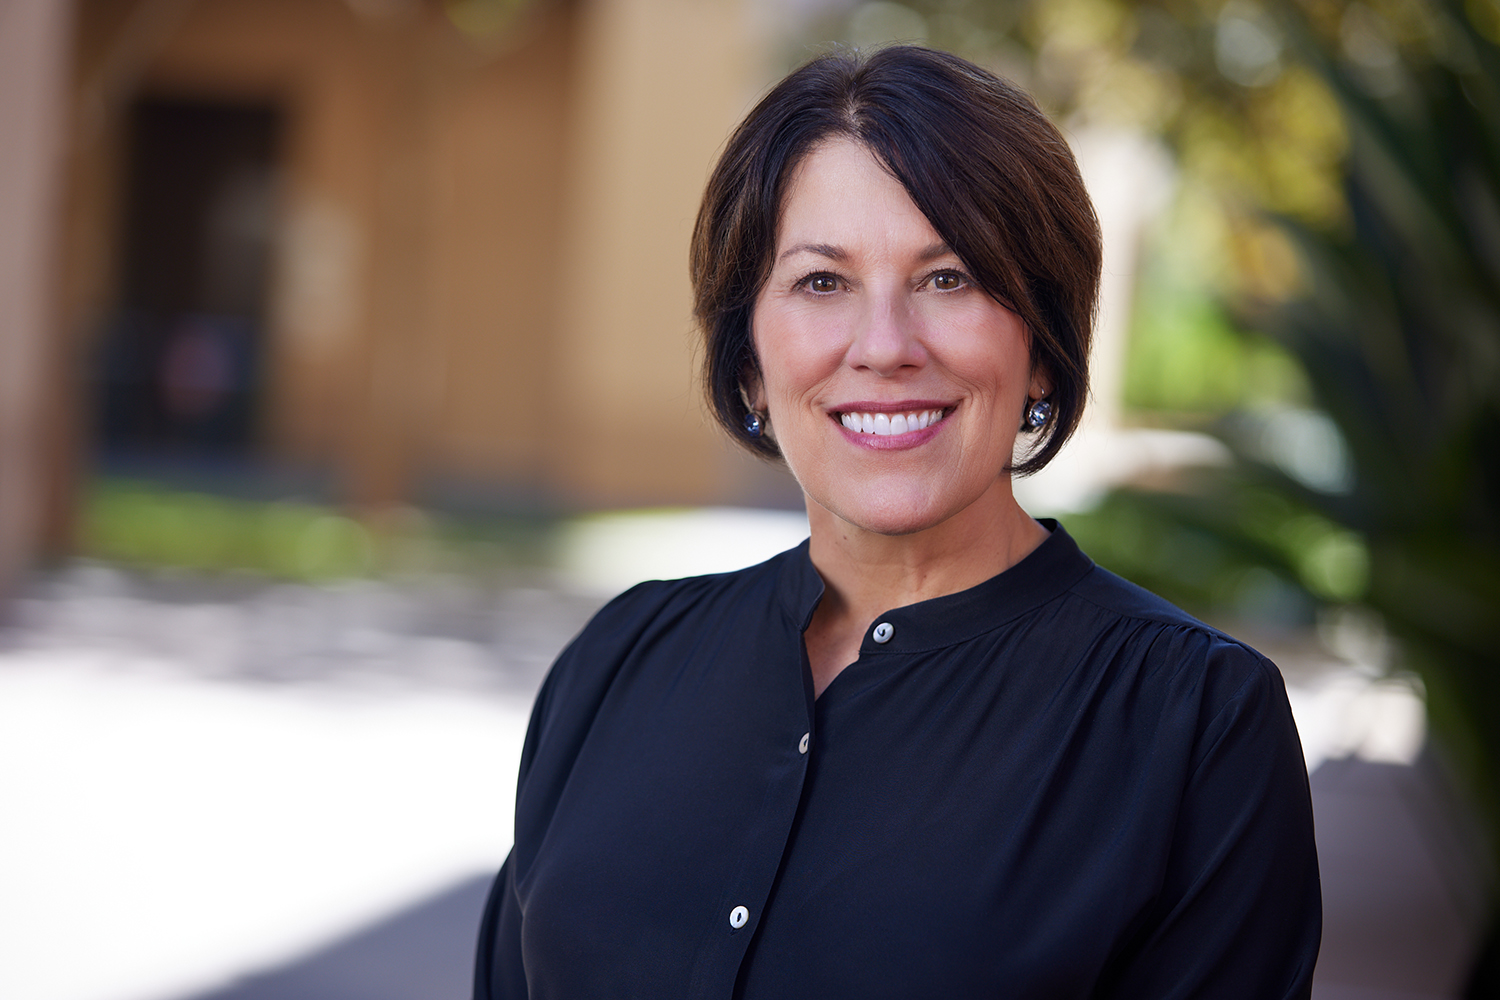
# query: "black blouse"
(1051, 785)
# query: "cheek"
(999, 360)
(994, 375)
(754, 380)
(794, 358)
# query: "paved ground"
(223, 790)
(424, 951)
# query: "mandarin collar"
(1050, 569)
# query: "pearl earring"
(755, 425)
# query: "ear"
(753, 388)
(1041, 384)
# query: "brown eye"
(822, 283)
(947, 281)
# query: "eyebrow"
(821, 249)
(838, 253)
(935, 251)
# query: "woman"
(934, 751)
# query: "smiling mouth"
(890, 424)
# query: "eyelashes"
(821, 283)
(809, 282)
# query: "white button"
(802, 747)
(884, 631)
(738, 916)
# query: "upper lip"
(904, 406)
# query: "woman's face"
(894, 384)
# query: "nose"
(885, 339)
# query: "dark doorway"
(179, 370)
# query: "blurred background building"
(341, 342)
(389, 247)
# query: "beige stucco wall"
(661, 83)
(419, 209)
(482, 265)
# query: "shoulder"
(1165, 629)
(1091, 599)
(641, 620)
(634, 634)
(1200, 671)
(1236, 910)
(1117, 594)
(676, 604)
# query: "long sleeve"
(1239, 910)
(499, 973)
(560, 721)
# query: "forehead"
(840, 192)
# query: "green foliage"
(1400, 336)
(1188, 360)
(1230, 549)
(1395, 321)
(155, 527)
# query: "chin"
(891, 517)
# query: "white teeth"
(887, 424)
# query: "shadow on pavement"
(425, 952)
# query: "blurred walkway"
(1403, 891)
(425, 951)
(229, 790)
(202, 779)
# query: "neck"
(865, 573)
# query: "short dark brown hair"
(977, 156)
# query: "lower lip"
(892, 442)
